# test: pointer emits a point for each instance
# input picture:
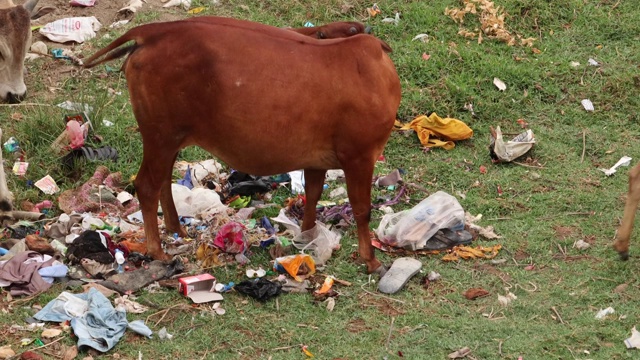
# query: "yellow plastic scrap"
(467, 252)
(208, 256)
(428, 127)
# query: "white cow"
(15, 39)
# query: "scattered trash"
(426, 56)
(85, 3)
(331, 303)
(20, 168)
(374, 10)
(447, 129)
(475, 293)
(326, 286)
(469, 108)
(604, 312)
(593, 62)
(129, 305)
(39, 47)
(422, 37)
(120, 23)
(11, 145)
(163, 334)
(132, 7)
(6, 352)
(47, 185)
(76, 29)
(587, 105)
(393, 178)
(467, 252)
(256, 273)
(338, 192)
(186, 4)
(501, 151)
(74, 106)
(394, 20)
(399, 274)
(624, 161)
(574, 64)
(460, 354)
(433, 276)
(260, 289)
(634, 340)
(50, 333)
(305, 350)
(491, 18)
(486, 232)
(499, 84)
(581, 245)
(507, 299)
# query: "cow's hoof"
(381, 270)
(624, 255)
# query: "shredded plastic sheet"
(467, 252)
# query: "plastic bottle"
(119, 260)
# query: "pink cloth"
(24, 277)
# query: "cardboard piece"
(199, 288)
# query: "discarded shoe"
(401, 271)
(447, 238)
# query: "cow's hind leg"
(358, 173)
(621, 245)
(171, 220)
(313, 182)
(154, 171)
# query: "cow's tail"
(114, 50)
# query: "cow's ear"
(321, 35)
(385, 46)
(42, 12)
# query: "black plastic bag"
(260, 289)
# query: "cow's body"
(263, 100)
(15, 39)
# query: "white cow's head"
(15, 39)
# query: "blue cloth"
(54, 271)
(100, 327)
(186, 181)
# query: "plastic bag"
(298, 266)
(76, 29)
(320, 240)
(196, 201)
(411, 229)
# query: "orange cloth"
(447, 129)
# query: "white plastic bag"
(411, 229)
(196, 201)
(76, 29)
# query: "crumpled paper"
(634, 340)
(508, 151)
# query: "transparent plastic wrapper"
(412, 229)
(319, 240)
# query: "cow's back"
(237, 87)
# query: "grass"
(541, 213)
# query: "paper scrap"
(47, 185)
(624, 161)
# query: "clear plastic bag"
(319, 240)
(411, 229)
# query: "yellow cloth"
(447, 129)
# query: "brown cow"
(15, 39)
(621, 245)
(264, 100)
